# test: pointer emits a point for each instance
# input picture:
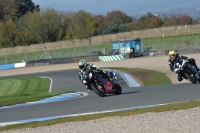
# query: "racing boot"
(179, 77)
(88, 87)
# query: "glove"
(90, 75)
(84, 81)
(176, 70)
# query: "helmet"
(82, 64)
(172, 54)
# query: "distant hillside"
(130, 7)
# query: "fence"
(170, 42)
(62, 52)
(154, 39)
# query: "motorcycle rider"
(173, 57)
(83, 65)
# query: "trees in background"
(178, 20)
(119, 15)
(14, 9)
(25, 6)
(23, 23)
(83, 25)
(146, 22)
(115, 27)
(115, 22)
(8, 10)
(10, 27)
(8, 34)
(101, 24)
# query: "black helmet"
(82, 64)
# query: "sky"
(130, 7)
(92, 6)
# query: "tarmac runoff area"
(68, 96)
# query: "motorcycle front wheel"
(188, 76)
(118, 89)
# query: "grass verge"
(169, 107)
(21, 90)
(148, 77)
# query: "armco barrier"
(49, 61)
(12, 66)
(17, 65)
(60, 61)
(7, 66)
(112, 57)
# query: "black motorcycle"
(188, 71)
(100, 84)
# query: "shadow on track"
(125, 93)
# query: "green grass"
(21, 90)
(169, 107)
(148, 77)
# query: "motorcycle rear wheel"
(97, 91)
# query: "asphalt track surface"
(130, 97)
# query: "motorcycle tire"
(190, 78)
(118, 89)
(97, 91)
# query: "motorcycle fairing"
(107, 84)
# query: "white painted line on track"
(62, 97)
(50, 82)
(130, 81)
(81, 114)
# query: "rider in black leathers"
(83, 65)
(174, 56)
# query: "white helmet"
(82, 64)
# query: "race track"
(131, 97)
